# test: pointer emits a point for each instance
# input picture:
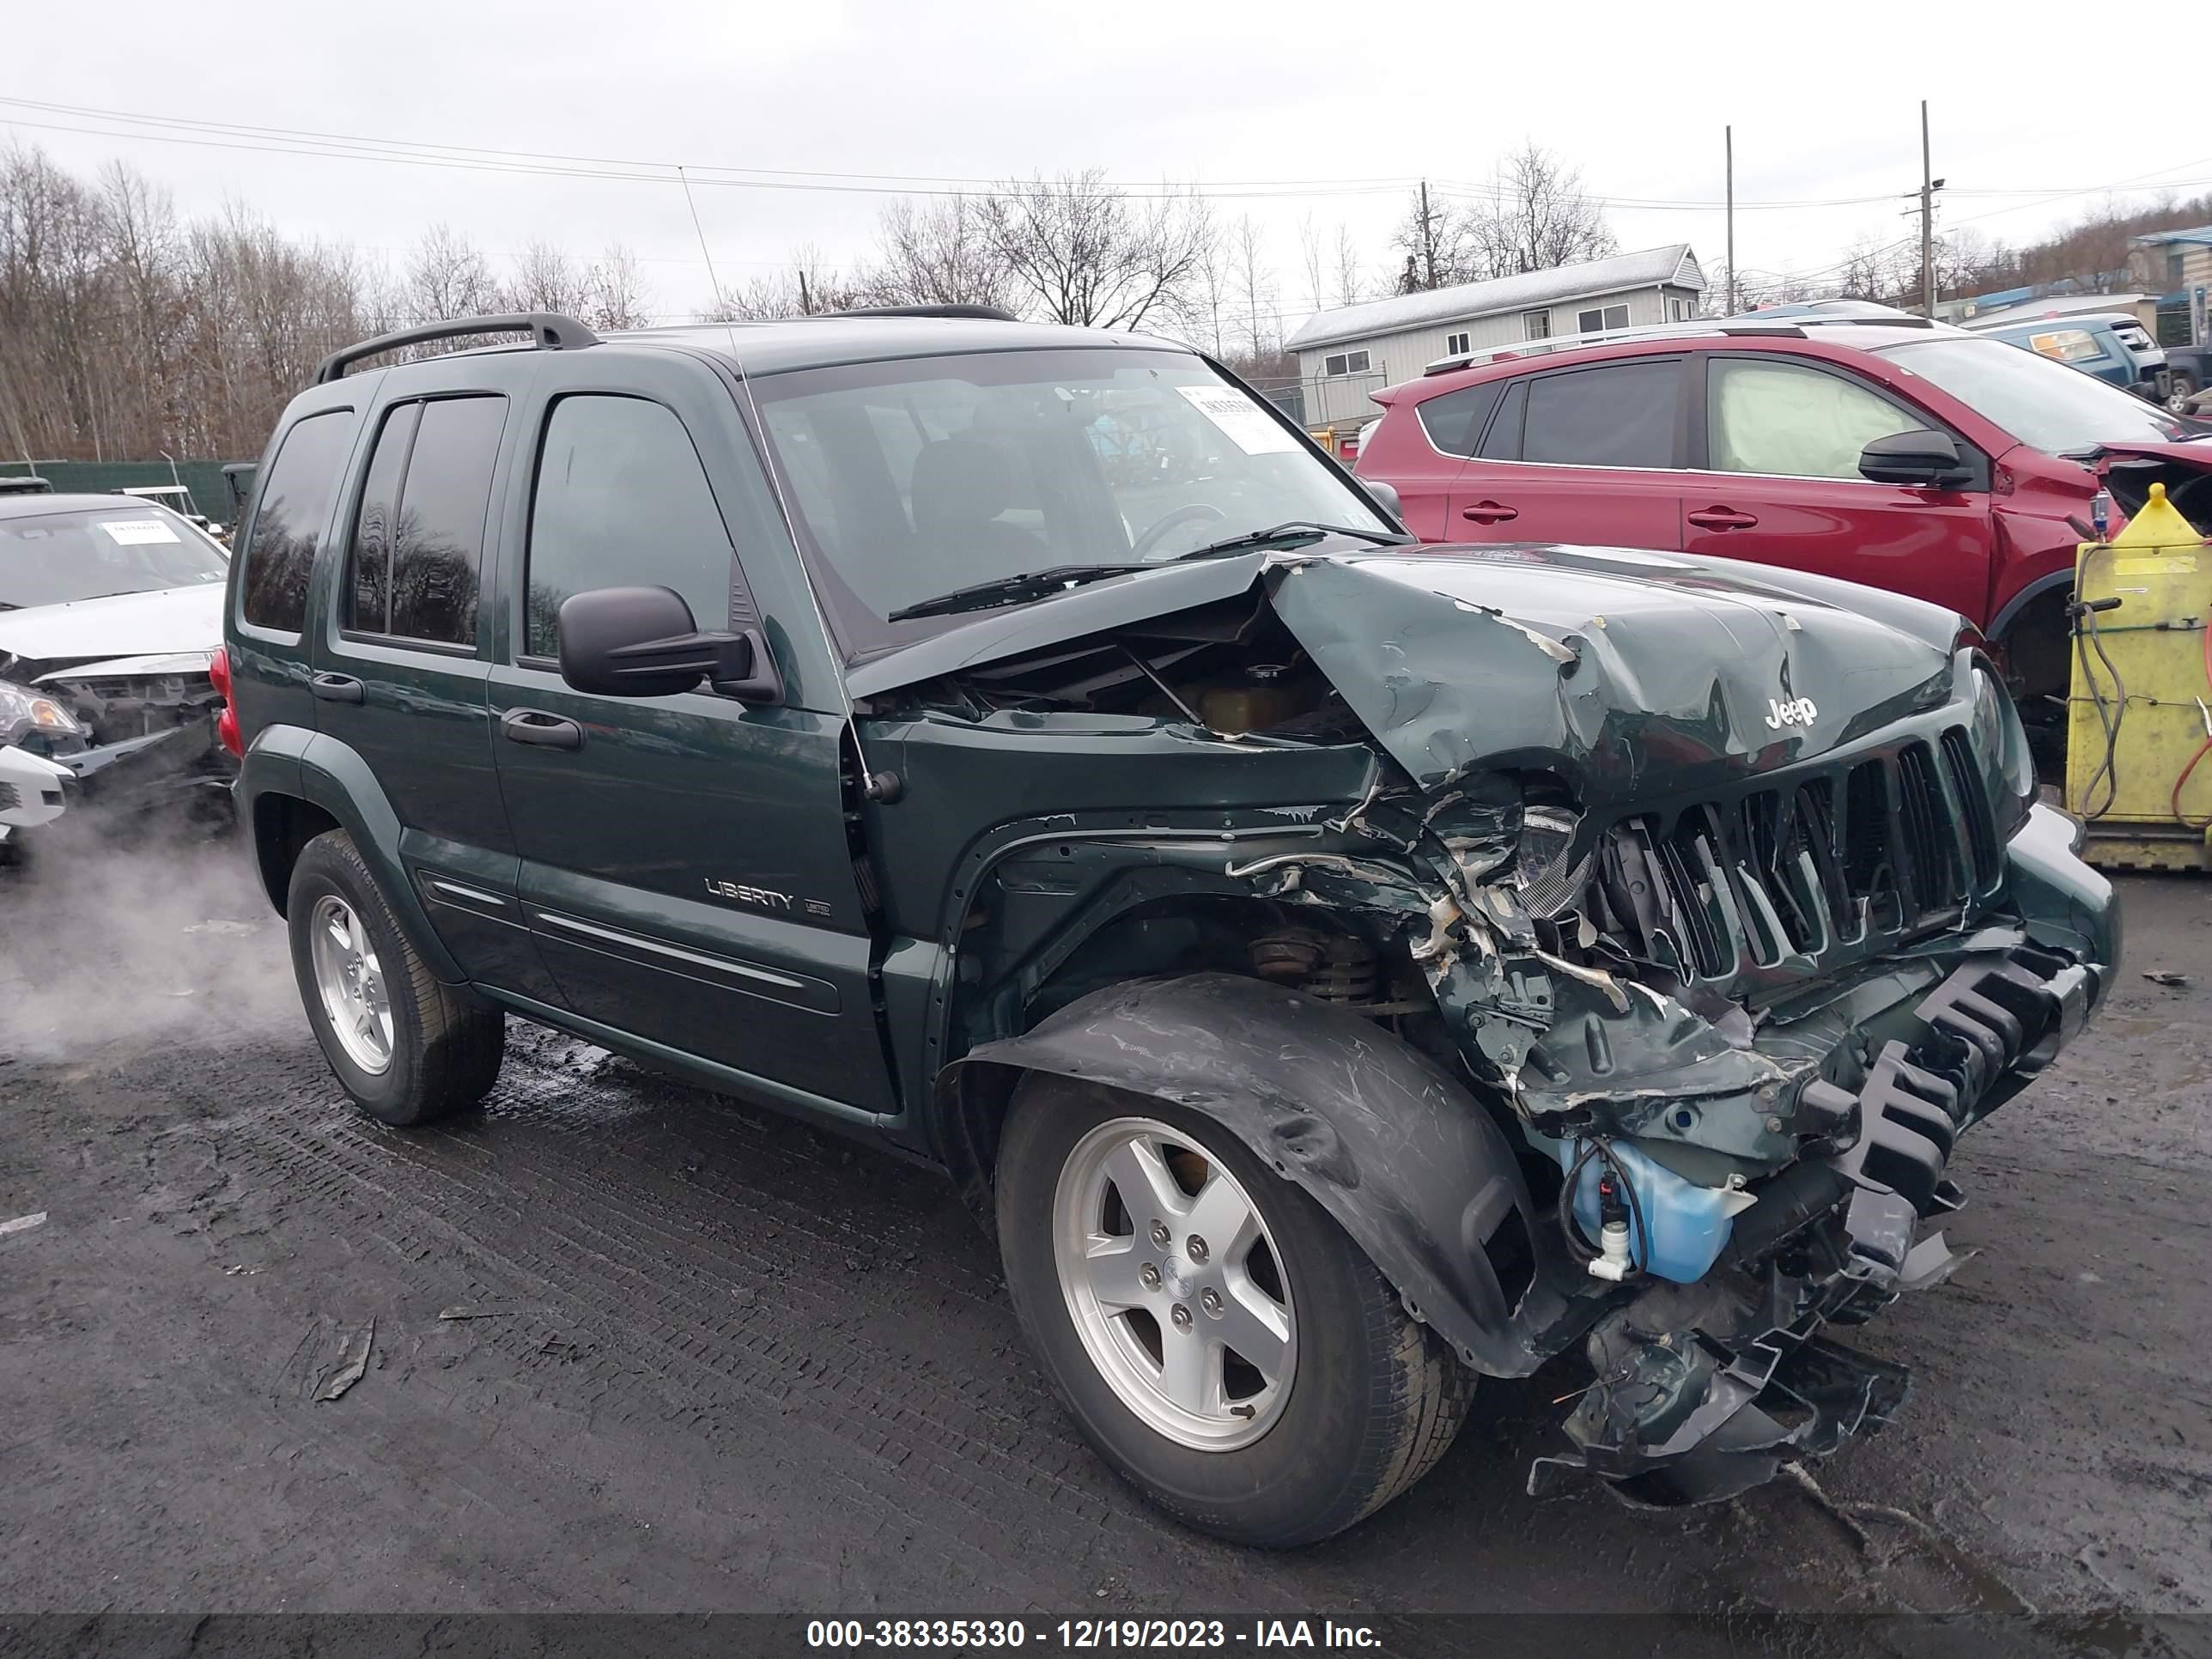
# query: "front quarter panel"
(1403, 1157)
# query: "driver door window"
(621, 501)
(1782, 421)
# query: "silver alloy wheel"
(351, 982)
(1174, 1285)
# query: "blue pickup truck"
(2113, 346)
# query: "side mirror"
(1386, 497)
(642, 642)
(1918, 456)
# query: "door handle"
(544, 731)
(1489, 512)
(339, 688)
(1721, 518)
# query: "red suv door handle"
(1489, 512)
(1721, 518)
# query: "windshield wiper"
(1014, 590)
(1293, 532)
(1042, 584)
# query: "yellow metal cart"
(2139, 728)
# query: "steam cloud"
(105, 942)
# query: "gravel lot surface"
(630, 1346)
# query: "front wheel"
(1221, 1342)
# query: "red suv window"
(1620, 415)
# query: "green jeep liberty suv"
(1335, 968)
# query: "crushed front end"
(1724, 903)
(1740, 994)
(137, 734)
(1703, 1387)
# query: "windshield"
(2045, 404)
(93, 552)
(915, 478)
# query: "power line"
(468, 151)
(202, 132)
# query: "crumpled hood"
(2197, 454)
(168, 620)
(1648, 674)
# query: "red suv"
(1919, 459)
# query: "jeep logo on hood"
(1797, 711)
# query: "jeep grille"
(1880, 848)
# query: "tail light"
(226, 724)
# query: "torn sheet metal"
(1638, 675)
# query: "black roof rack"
(973, 314)
(549, 331)
(1868, 322)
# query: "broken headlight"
(24, 711)
(2001, 742)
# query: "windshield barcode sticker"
(135, 532)
(1244, 423)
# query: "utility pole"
(1729, 140)
(1928, 184)
(805, 300)
(1428, 235)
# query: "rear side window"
(296, 498)
(622, 501)
(1622, 414)
(1503, 442)
(417, 556)
(1454, 420)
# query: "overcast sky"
(1242, 97)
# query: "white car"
(111, 610)
(33, 791)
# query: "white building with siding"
(1345, 354)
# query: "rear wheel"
(1220, 1339)
(407, 1050)
(2180, 389)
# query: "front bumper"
(182, 765)
(1705, 1389)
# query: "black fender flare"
(1405, 1159)
(2018, 603)
(321, 770)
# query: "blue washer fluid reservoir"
(1688, 1224)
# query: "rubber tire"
(1375, 1399)
(2181, 391)
(446, 1052)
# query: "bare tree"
(1966, 263)
(1435, 241)
(447, 277)
(1349, 286)
(547, 279)
(127, 335)
(808, 286)
(1539, 217)
(1084, 252)
(1209, 300)
(615, 294)
(1253, 281)
(1316, 262)
(1865, 271)
(937, 253)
